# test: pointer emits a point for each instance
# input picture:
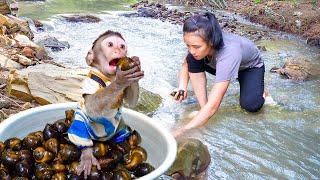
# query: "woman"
(225, 55)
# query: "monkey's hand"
(137, 62)
(86, 161)
(126, 78)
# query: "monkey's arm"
(131, 94)
(108, 97)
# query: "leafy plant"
(314, 3)
(257, 1)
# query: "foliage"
(257, 1)
(314, 3)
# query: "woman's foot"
(268, 100)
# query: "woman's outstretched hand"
(178, 132)
(179, 95)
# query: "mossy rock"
(148, 102)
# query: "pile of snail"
(48, 154)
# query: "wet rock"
(147, 12)
(148, 102)
(159, 11)
(192, 161)
(82, 18)
(298, 69)
(54, 44)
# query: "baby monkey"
(98, 116)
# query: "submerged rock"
(192, 161)
(54, 44)
(298, 69)
(82, 18)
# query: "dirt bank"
(302, 19)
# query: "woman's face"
(197, 46)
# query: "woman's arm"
(183, 77)
(208, 110)
(199, 85)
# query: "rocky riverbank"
(30, 78)
(301, 18)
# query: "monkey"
(98, 115)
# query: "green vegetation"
(314, 3)
(257, 1)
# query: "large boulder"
(192, 160)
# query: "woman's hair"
(208, 28)
(107, 34)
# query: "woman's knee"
(252, 105)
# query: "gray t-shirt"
(238, 53)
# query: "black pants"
(251, 82)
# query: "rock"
(23, 26)
(148, 102)
(49, 90)
(24, 41)
(5, 41)
(28, 52)
(298, 69)
(41, 53)
(4, 103)
(192, 161)
(4, 7)
(82, 18)
(8, 63)
(24, 60)
(54, 44)
(17, 86)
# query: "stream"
(278, 142)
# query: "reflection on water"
(279, 142)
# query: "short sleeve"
(228, 64)
(195, 66)
(89, 86)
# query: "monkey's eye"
(123, 46)
(110, 44)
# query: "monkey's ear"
(90, 57)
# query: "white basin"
(158, 142)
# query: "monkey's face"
(113, 48)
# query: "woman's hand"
(178, 132)
(179, 95)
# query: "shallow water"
(280, 142)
